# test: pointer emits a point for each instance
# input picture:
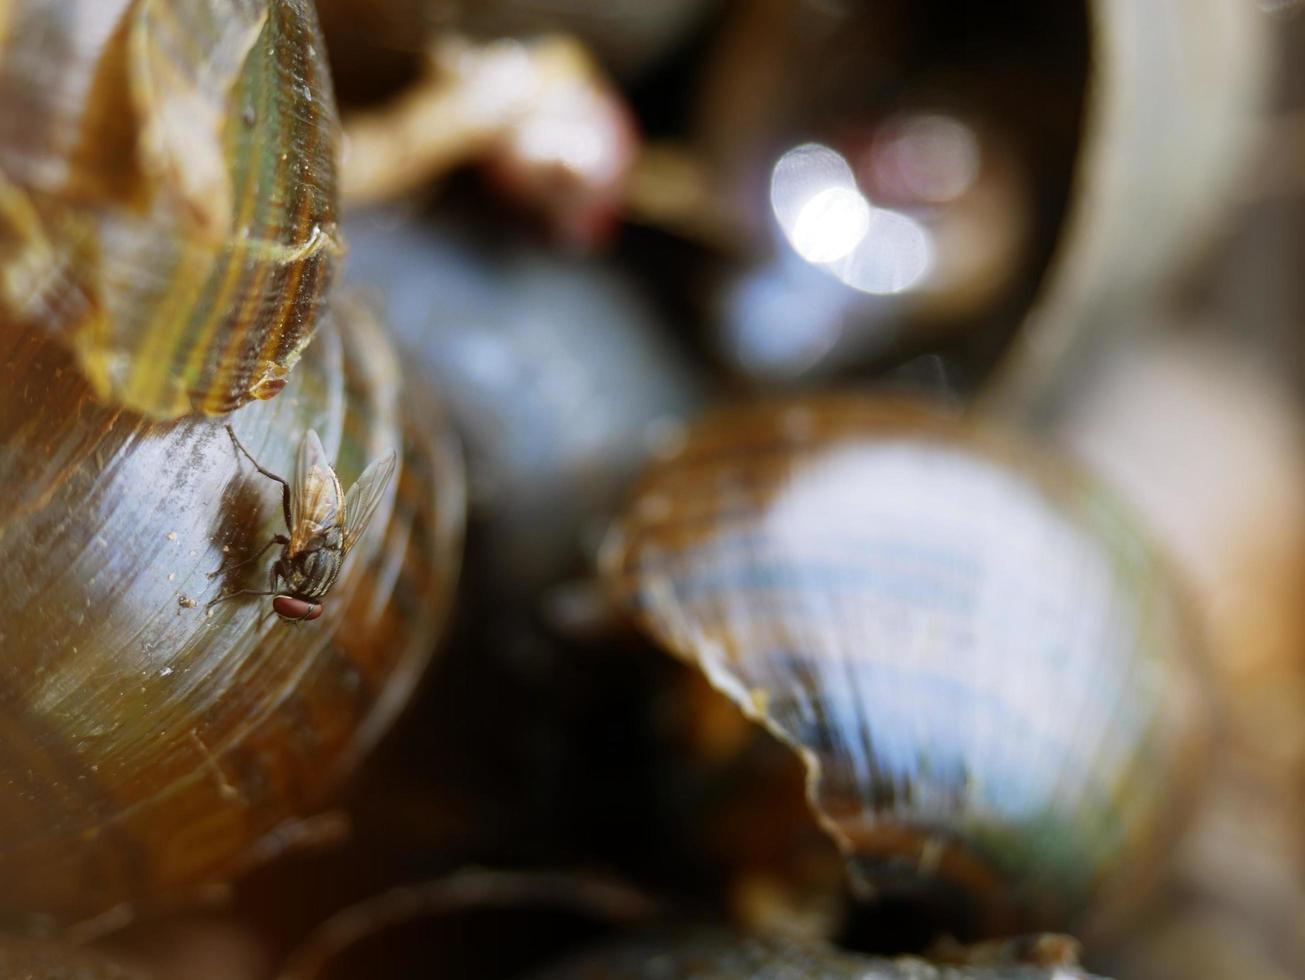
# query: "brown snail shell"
(168, 192)
(207, 944)
(719, 955)
(151, 745)
(984, 669)
(22, 960)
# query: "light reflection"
(925, 158)
(894, 256)
(831, 224)
(567, 137)
(800, 175)
(951, 606)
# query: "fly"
(324, 524)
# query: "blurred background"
(1079, 227)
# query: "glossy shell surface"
(984, 668)
(167, 192)
(148, 744)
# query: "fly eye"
(300, 610)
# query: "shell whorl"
(982, 665)
(168, 193)
(151, 745)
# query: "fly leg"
(236, 594)
(271, 588)
(285, 487)
(272, 576)
(276, 539)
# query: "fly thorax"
(313, 570)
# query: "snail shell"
(1084, 124)
(555, 371)
(47, 961)
(716, 955)
(1145, 196)
(167, 192)
(148, 745)
(982, 666)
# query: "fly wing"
(315, 497)
(364, 495)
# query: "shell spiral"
(148, 745)
(984, 668)
(167, 192)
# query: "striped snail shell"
(719, 955)
(167, 192)
(150, 745)
(984, 669)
